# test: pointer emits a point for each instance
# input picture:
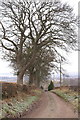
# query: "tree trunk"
(38, 78)
(31, 78)
(38, 82)
(20, 78)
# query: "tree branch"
(4, 37)
(7, 47)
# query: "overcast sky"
(71, 68)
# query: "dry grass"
(17, 99)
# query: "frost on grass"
(68, 95)
(17, 105)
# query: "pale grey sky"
(71, 68)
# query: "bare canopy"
(29, 26)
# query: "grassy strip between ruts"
(68, 95)
(16, 106)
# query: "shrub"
(51, 86)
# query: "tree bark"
(23, 70)
(38, 78)
(20, 78)
(34, 77)
(31, 79)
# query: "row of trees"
(31, 33)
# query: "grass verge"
(16, 106)
(68, 95)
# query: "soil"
(51, 106)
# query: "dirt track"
(52, 106)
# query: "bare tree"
(42, 66)
(27, 27)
